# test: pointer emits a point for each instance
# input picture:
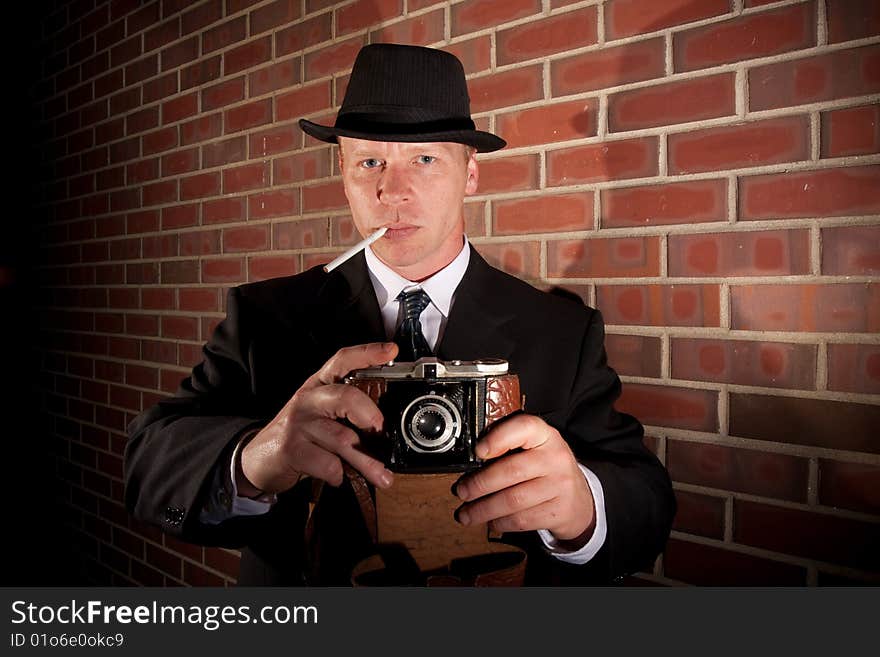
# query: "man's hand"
(305, 438)
(539, 487)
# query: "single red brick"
(141, 273)
(275, 203)
(599, 69)
(248, 116)
(851, 250)
(228, 151)
(667, 406)
(158, 193)
(660, 305)
(520, 259)
(263, 267)
(838, 74)
(203, 15)
(198, 299)
(201, 129)
(161, 298)
(702, 515)
(851, 131)
(200, 242)
(245, 238)
(224, 210)
(827, 192)
(224, 34)
(609, 160)
(332, 59)
(854, 486)
(746, 37)
(281, 75)
(745, 145)
(365, 13)
(159, 351)
(302, 234)
(275, 140)
(180, 162)
(706, 565)
(181, 328)
(419, 31)
(851, 308)
(769, 364)
(138, 122)
(302, 167)
(474, 15)
(854, 368)
(852, 19)
(160, 88)
(549, 123)
(140, 376)
(521, 172)
(200, 186)
(813, 422)
(674, 203)
(180, 53)
(543, 214)
(324, 196)
(223, 270)
(275, 14)
(180, 271)
(519, 85)
(672, 102)
(764, 253)
(305, 34)
(741, 470)
(201, 72)
(303, 101)
(142, 171)
(627, 17)
(180, 108)
(475, 54)
(159, 140)
(222, 94)
(547, 36)
(247, 177)
(634, 355)
(604, 258)
(818, 536)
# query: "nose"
(394, 186)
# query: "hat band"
(365, 123)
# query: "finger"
(508, 471)
(348, 359)
(319, 463)
(517, 432)
(510, 501)
(541, 516)
(346, 444)
(340, 401)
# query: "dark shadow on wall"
(36, 551)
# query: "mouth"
(399, 232)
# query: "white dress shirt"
(388, 284)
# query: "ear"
(473, 175)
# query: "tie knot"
(414, 302)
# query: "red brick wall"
(706, 172)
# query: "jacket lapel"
(347, 312)
(476, 326)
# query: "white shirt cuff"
(597, 540)
(225, 502)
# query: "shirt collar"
(440, 287)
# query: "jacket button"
(174, 515)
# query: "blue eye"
(425, 159)
(371, 163)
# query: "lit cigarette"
(357, 248)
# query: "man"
(230, 459)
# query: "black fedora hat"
(406, 93)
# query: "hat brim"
(484, 142)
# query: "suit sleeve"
(177, 448)
(639, 500)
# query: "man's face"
(416, 190)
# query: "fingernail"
(461, 490)
(463, 517)
(482, 451)
(386, 479)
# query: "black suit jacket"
(278, 332)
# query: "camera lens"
(431, 423)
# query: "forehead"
(355, 146)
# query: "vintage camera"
(436, 410)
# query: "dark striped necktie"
(409, 336)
